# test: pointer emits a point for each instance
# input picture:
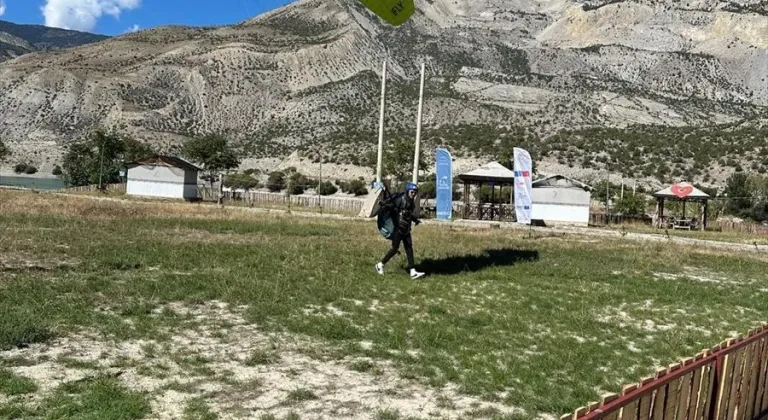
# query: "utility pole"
(622, 187)
(101, 165)
(381, 121)
(418, 129)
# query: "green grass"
(11, 384)
(299, 395)
(197, 409)
(732, 237)
(91, 399)
(543, 324)
(262, 357)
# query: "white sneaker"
(415, 274)
(380, 268)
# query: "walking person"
(402, 208)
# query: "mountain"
(652, 89)
(16, 40)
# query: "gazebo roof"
(559, 181)
(491, 171)
(682, 191)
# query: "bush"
(327, 188)
(56, 170)
(296, 189)
(276, 181)
(760, 211)
(357, 187)
(29, 170)
(20, 168)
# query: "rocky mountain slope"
(306, 79)
(16, 40)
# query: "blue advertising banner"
(444, 181)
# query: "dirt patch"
(204, 236)
(22, 261)
(698, 275)
(241, 371)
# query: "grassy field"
(726, 236)
(134, 310)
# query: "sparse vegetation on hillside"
(4, 151)
(665, 153)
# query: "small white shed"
(558, 199)
(162, 176)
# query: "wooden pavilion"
(493, 174)
(683, 192)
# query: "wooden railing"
(726, 382)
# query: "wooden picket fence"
(749, 228)
(348, 205)
(727, 382)
(94, 188)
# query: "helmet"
(411, 187)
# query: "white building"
(560, 200)
(162, 176)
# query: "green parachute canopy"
(395, 12)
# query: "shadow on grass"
(472, 263)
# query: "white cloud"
(2, 7)
(82, 15)
(133, 28)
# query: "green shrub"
(276, 181)
(327, 188)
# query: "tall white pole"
(381, 121)
(418, 129)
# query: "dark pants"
(405, 238)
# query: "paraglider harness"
(385, 220)
(386, 216)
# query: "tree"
(631, 204)
(212, 152)
(739, 196)
(397, 160)
(56, 170)
(241, 182)
(99, 158)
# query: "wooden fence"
(94, 188)
(253, 198)
(727, 382)
(617, 219)
(750, 228)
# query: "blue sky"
(114, 17)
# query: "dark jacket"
(403, 211)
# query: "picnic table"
(688, 224)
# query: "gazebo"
(493, 174)
(682, 192)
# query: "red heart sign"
(682, 191)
